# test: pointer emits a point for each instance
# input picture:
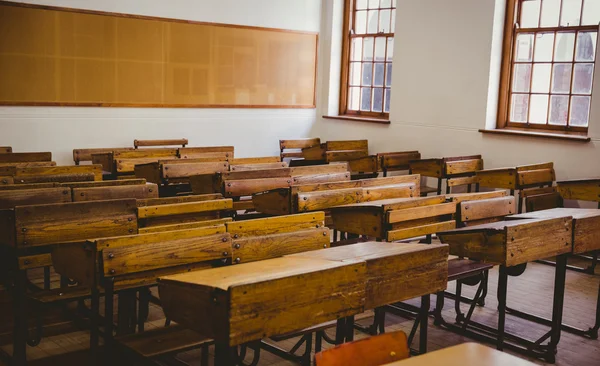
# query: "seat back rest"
(319, 200)
(24, 157)
(30, 174)
(347, 145)
(138, 191)
(427, 167)
(226, 152)
(256, 160)
(391, 161)
(298, 143)
(175, 213)
(77, 221)
(165, 142)
(372, 351)
(162, 250)
(5, 149)
(56, 178)
(543, 201)
(80, 155)
(485, 210)
(257, 166)
(37, 196)
(582, 189)
(275, 225)
(462, 167)
(12, 187)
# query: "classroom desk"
(586, 234)
(511, 244)
(466, 354)
(252, 301)
(396, 218)
(580, 189)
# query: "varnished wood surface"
(581, 189)
(511, 242)
(164, 142)
(23, 197)
(23, 157)
(466, 354)
(586, 225)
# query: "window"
(367, 55)
(548, 66)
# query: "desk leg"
(425, 303)
(19, 356)
(502, 287)
(593, 332)
(223, 355)
(350, 328)
(557, 308)
(108, 319)
(94, 322)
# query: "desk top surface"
(466, 354)
(576, 213)
(395, 203)
(253, 272)
(366, 251)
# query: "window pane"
(356, 53)
(586, 46)
(355, 73)
(373, 18)
(522, 78)
(361, 4)
(386, 3)
(384, 21)
(394, 3)
(519, 107)
(591, 12)
(524, 47)
(367, 73)
(563, 49)
(559, 109)
(390, 49)
(530, 14)
(360, 22)
(544, 43)
(571, 11)
(393, 20)
(561, 78)
(379, 49)
(582, 78)
(354, 99)
(550, 13)
(367, 49)
(580, 111)
(388, 95)
(365, 99)
(379, 67)
(377, 99)
(388, 75)
(373, 4)
(541, 78)
(539, 109)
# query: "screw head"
(27, 261)
(324, 233)
(225, 254)
(236, 246)
(224, 240)
(82, 194)
(111, 255)
(236, 236)
(305, 198)
(238, 260)
(129, 219)
(130, 230)
(324, 245)
(112, 271)
(150, 190)
(24, 230)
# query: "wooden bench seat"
(162, 341)
(57, 295)
(460, 268)
(165, 142)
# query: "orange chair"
(372, 351)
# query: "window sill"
(549, 135)
(360, 119)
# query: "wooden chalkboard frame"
(165, 105)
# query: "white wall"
(445, 86)
(253, 132)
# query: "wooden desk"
(466, 354)
(512, 244)
(251, 301)
(580, 189)
(586, 231)
(396, 218)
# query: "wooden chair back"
(265, 238)
(5, 149)
(174, 210)
(580, 189)
(103, 183)
(526, 176)
(85, 155)
(293, 148)
(137, 191)
(221, 152)
(9, 186)
(337, 150)
(256, 160)
(376, 350)
(537, 199)
(36, 196)
(43, 174)
(484, 211)
(178, 171)
(166, 142)
(77, 221)
(257, 166)
(15, 166)
(25, 157)
(394, 161)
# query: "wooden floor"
(531, 292)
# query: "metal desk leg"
(502, 287)
(19, 356)
(424, 315)
(557, 306)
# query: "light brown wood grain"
(183, 170)
(397, 160)
(256, 160)
(315, 153)
(347, 145)
(146, 153)
(6, 180)
(549, 165)
(137, 191)
(30, 172)
(12, 187)
(321, 178)
(427, 167)
(28, 164)
(274, 225)
(498, 178)
(461, 181)
(420, 230)
(164, 142)
(34, 261)
(299, 143)
(312, 201)
(364, 164)
(258, 166)
(247, 187)
(486, 208)
(461, 197)
(216, 226)
(106, 160)
(23, 157)
(64, 222)
(146, 212)
(80, 155)
(166, 253)
(256, 248)
(58, 178)
(104, 183)
(273, 202)
(420, 212)
(178, 199)
(337, 167)
(376, 193)
(344, 155)
(263, 298)
(8, 149)
(22, 197)
(457, 167)
(535, 177)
